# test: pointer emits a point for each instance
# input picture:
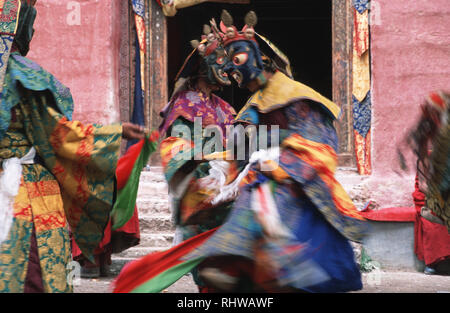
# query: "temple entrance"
(301, 29)
(316, 35)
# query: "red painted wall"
(410, 49)
(78, 42)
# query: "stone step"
(155, 174)
(150, 205)
(157, 223)
(153, 188)
(138, 252)
(163, 240)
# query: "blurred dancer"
(293, 220)
(192, 110)
(429, 139)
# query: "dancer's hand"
(132, 131)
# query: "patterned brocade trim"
(14, 257)
(83, 159)
(55, 255)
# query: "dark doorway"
(301, 29)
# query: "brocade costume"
(67, 177)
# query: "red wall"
(410, 49)
(84, 57)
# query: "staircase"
(157, 229)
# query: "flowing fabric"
(438, 193)
(432, 130)
(128, 175)
(124, 232)
(157, 271)
(71, 183)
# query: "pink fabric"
(431, 240)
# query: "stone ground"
(378, 281)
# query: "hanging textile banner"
(138, 7)
(361, 75)
(361, 96)
(138, 114)
(362, 116)
(361, 5)
(361, 32)
(139, 17)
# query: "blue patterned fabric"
(323, 260)
(319, 258)
(32, 77)
(139, 7)
(362, 115)
(361, 5)
(312, 122)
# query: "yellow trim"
(281, 90)
(17, 17)
(320, 152)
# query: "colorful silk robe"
(71, 183)
(191, 202)
(312, 206)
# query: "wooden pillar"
(126, 74)
(156, 82)
(342, 34)
(157, 63)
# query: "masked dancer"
(429, 140)
(194, 125)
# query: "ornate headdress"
(228, 33)
(207, 58)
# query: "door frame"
(342, 48)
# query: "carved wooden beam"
(342, 32)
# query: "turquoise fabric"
(33, 77)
